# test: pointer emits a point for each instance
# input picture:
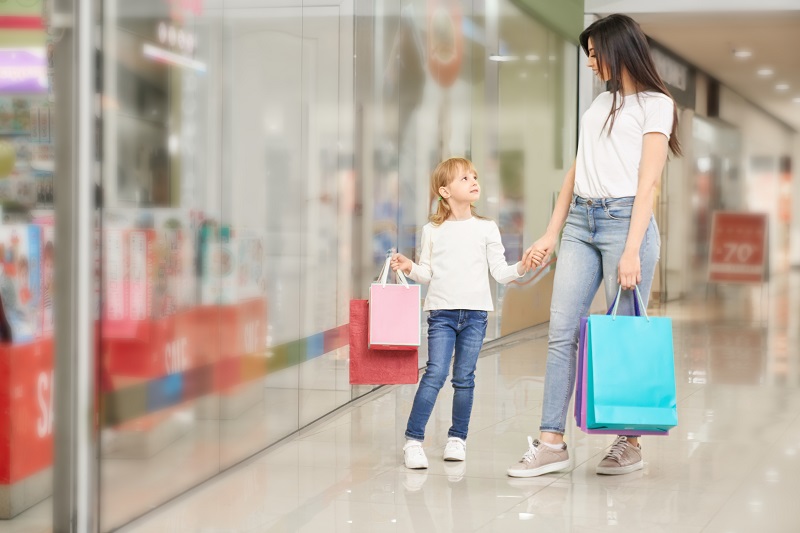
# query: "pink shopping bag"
(395, 313)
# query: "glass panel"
(258, 161)
(447, 79)
(416, 107)
(264, 197)
(536, 146)
(163, 257)
(323, 375)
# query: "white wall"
(761, 133)
(677, 187)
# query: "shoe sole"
(542, 470)
(455, 457)
(619, 470)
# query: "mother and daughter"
(608, 234)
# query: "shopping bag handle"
(384, 275)
(636, 310)
(638, 304)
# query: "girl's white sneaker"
(456, 449)
(414, 455)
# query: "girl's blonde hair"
(442, 176)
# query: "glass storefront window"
(256, 163)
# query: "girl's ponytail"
(442, 210)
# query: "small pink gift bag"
(395, 313)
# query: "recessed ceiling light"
(742, 53)
(765, 72)
(532, 57)
(502, 58)
(782, 87)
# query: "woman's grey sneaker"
(622, 458)
(456, 449)
(414, 455)
(539, 460)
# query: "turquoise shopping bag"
(631, 372)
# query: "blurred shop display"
(174, 292)
(165, 281)
(27, 254)
(26, 151)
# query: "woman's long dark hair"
(619, 43)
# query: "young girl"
(606, 209)
(458, 249)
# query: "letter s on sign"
(44, 396)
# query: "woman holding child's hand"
(605, 209)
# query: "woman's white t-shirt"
(607, 166)
(455, 258)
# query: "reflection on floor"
(733, 464)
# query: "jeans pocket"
(619, 213)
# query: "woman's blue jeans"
(591, 246)
(448, 330)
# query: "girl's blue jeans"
(451, 330)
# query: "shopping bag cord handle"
(641, 308)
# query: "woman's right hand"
(401, 262)
(540, 251)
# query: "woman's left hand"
(630, 270)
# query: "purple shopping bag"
(580, 406)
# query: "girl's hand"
(401, 262)
(630, 270)
(540, 251)
(522, 266)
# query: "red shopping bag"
(373, 366)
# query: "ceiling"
(708, 40)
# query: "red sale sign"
(738, 251)
(26, 409)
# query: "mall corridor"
(731, 466)
(195, 196)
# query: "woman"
(610, 234)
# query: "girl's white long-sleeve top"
(455, 259)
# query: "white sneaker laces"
(530, 455)
(618, 448)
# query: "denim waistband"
(625, 201)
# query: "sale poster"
(738, 251)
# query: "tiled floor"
(732, 465)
